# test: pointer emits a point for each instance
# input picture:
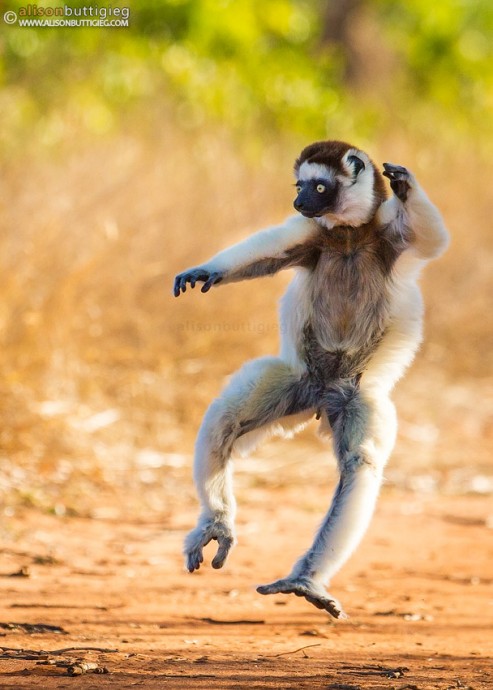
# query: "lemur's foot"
(304, 587)
(400, 179)
(194, 275)
(209, 529)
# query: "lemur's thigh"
(262, 392)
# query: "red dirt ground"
(418, 592)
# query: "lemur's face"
(318, 190)
(338, 182)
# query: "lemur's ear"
(357, 164)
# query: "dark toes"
(399, 179)
(400, 189)
(390, 170)
(315, 601)
(325, 605)
(177, 286)
(218, 560)
(222, 553)
(195, 558)
(330, 607)
(212, 280)
(334, 610)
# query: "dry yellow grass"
(105, 376)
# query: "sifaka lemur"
(351, 322)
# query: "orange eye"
(320, 188)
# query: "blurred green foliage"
(252, 66)
(446, 53)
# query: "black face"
(316, 197)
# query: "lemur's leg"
(364, 429)
(260, 393)
(410, 216)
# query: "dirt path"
(419, 594)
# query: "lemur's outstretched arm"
(410, 216)
(264, 253)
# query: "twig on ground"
(373, 670)
(58, 606)
(245, 621)
(33, 654)
(319, 644)
(103, 650)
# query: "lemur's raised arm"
(264, 253)
(410, 216)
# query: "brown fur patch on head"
(328, 153)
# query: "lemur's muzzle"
(312, 203)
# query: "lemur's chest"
(354, 273)
(348, 297)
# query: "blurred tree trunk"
(337, 18)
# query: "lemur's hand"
(400, 179)
(194, 275)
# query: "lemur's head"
(338, 183)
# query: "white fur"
(404, 333)
(294, 307)
(358, 198)
(314, 171)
